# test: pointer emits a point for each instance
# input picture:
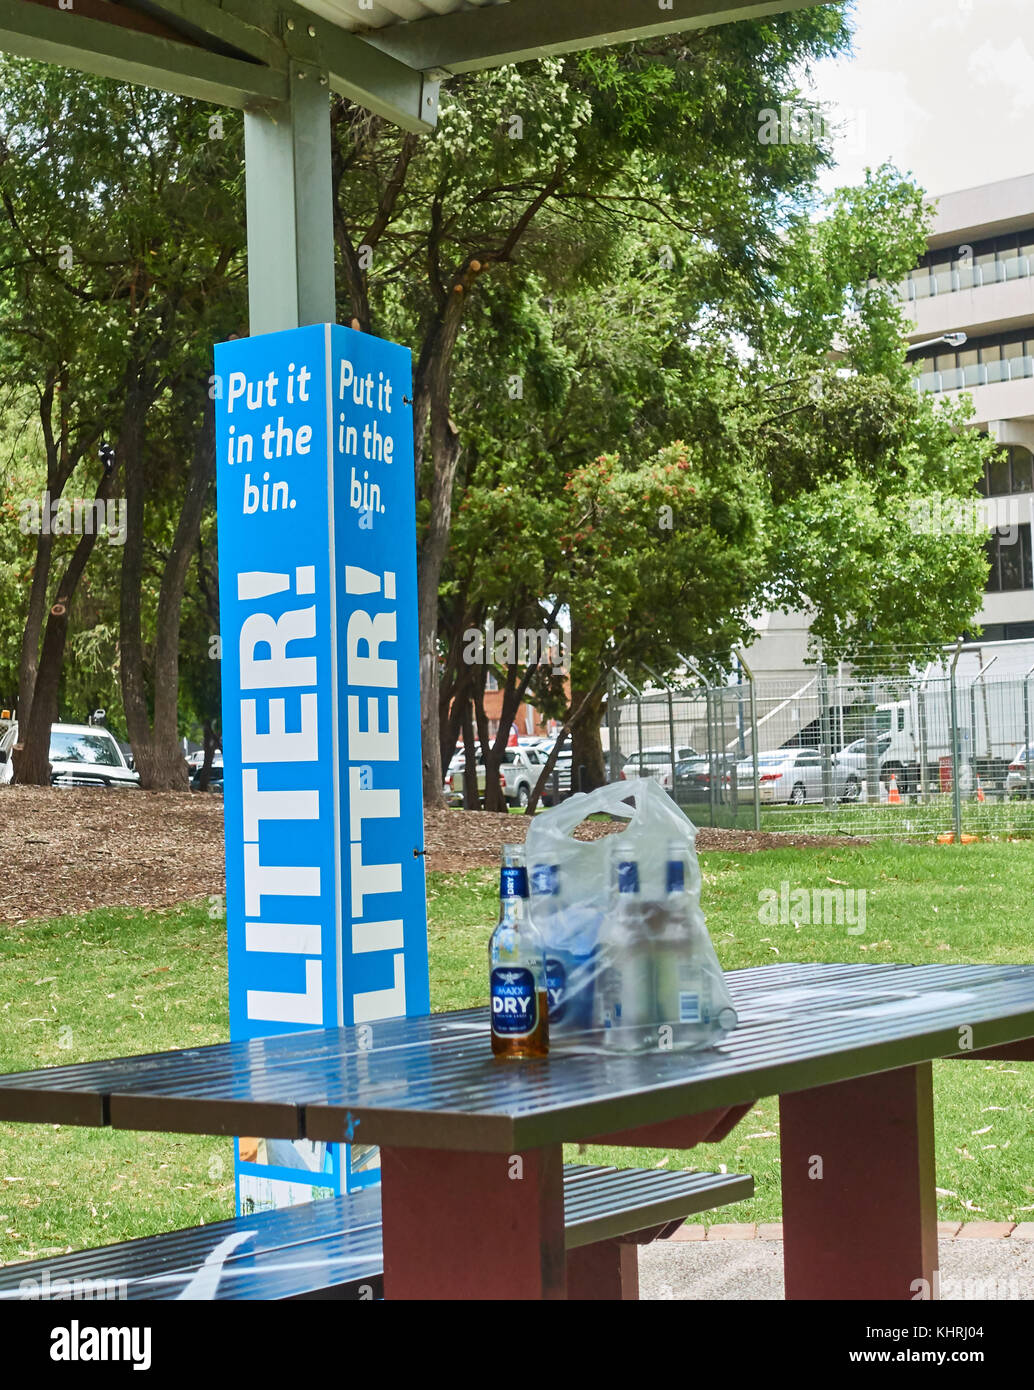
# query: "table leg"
(465, 1226)
(859, 1206)
(608, 1270)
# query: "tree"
(834, 455)
(124, 261)
(545, 167)
(849, 445)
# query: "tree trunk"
(210, 744)
(156, 748)
(445, 450)
(586, 744)
(62, 458)
(32, 762)
(576, 711)
(131, 648)
(29, 663)
(471, 795)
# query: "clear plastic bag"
(631, 970)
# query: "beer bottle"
(517, 968)
(569, 937)
(625, 999)
(684, 989)
(683, 1002)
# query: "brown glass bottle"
(517, 969)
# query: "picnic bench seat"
(332, 1248)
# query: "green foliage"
(121, 262)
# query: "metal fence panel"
(942, 752)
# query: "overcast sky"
(943, 88)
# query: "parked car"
(8, 735)
(81, 755)
(215, 776)
(518, 773)
(793, 775)
(1016, 778)
(693, 779)
(558, 787)
(851, 763)
(519, 770)
(656, 763)
(196, 758)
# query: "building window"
(988, 262)
(1010, 561)
(1011, 470)
(1004, 632)
(982, 362)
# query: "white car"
(8, 735)
(851, 765)
(196, 759)
(81, 755)
(1016, 779)
(656, 763)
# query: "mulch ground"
(66, 851)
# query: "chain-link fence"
(941, 751)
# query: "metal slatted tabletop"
(432, 1082)
(473, 1201)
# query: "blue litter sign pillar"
(321, 708)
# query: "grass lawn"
(909, 818)
(116, 982)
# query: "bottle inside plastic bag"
(631, 970)
(685, 996)
(570, 931)
(626, 1003)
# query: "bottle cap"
(513, 875)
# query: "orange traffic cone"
(893, 795)
(980, 791)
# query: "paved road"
(753, 1269)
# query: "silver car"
(791, 775)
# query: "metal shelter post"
(290, 207)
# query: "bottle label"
(513, 882)
(514, 1001)
(628, 876)
(556, 988)
(545, 879)
(676, 876)
(689, 1007)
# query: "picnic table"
(471, 1148)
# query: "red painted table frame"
(859, 1202)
